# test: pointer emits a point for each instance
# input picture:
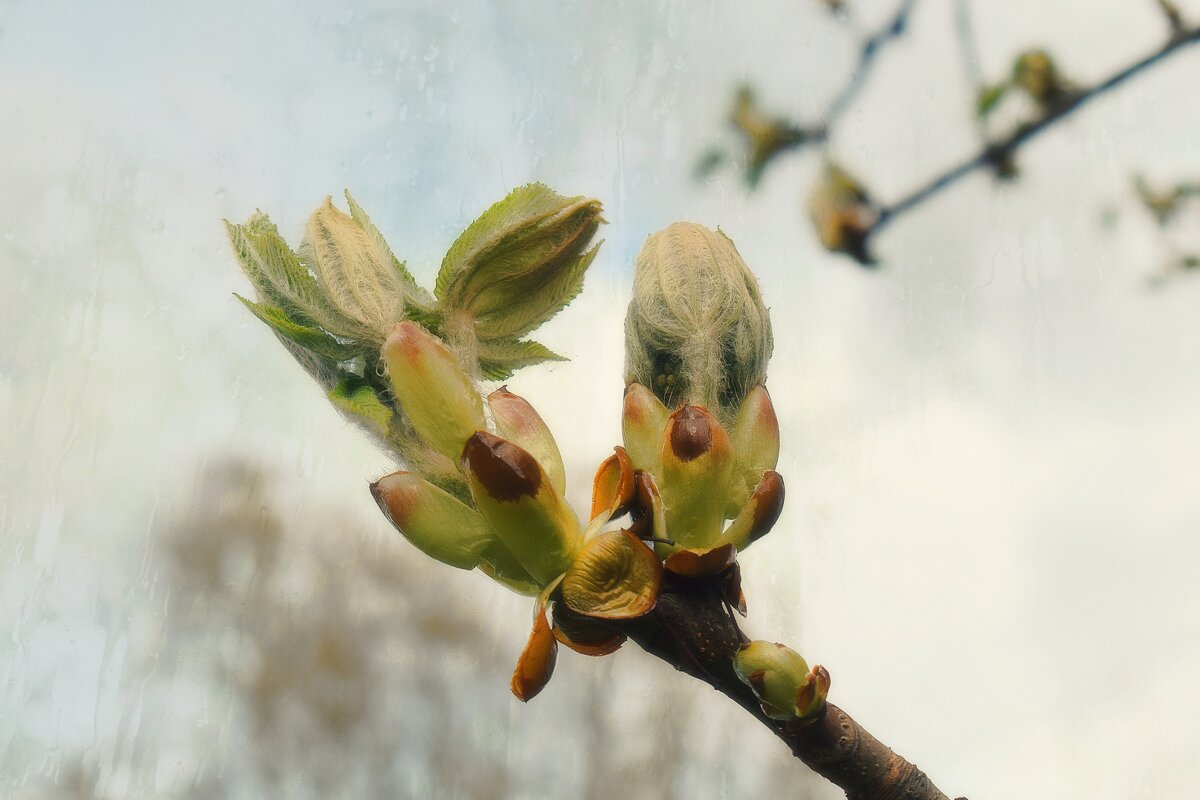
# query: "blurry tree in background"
(1009, 110)
(293, 658)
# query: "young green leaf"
(989, 98)
(520, 262)
(358, 400)
(279, 277)
(310, 338)
(500, 358)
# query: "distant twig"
(849, 229)
(1171, 14)
(969, 52)
(966, 43)
(998, 153)
(870, 49)
(768, 136)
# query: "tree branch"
(767, 137)
(999, 152)
(691, 631)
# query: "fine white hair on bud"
(697, 331)
(356, 271)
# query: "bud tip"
(505, 470)
(691, 433)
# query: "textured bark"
(692, 630)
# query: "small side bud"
(1036, 74)
(781, 680)
(844, 214)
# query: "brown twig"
(702, 643)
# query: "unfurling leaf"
(278, 276)
(357, 272)
(521, 261)
(414, 293)
(536, 664)
(500, 358)
(765, 136)
(614, 576)
(311, 338)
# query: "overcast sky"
(990, 445)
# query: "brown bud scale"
(691, 433)
(505, 470)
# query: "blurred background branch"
(843, 210)
(996, 155)
(870, 49)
